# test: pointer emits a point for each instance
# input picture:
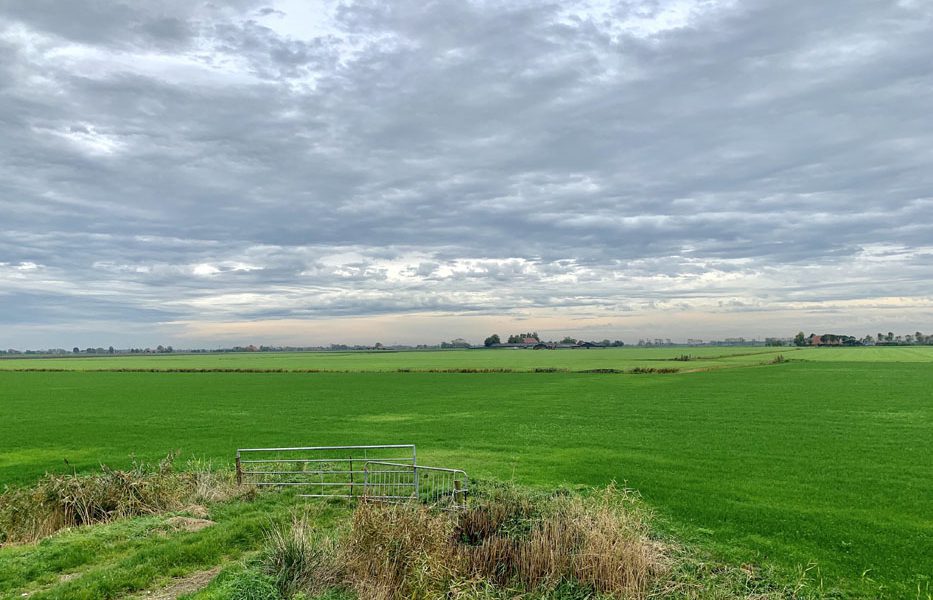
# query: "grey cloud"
(463, 156)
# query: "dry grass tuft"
(60, 501)
(507, 544)
(298, 558)
(399, 551)
(600, 542)
(188, 524)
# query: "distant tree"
(492, 340)
(618, 343)
(76, 350)
(110, 350)
(378, 346)
(800, 339)
(456, 343)
(568, 340)
(160, 348)
(519, 337)
(890, 336)
(918, 337)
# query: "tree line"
(882, 339)
(519, 338)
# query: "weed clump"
(600, 542)
(60, 501)
(297, 560)
(508, 543)
(399, 551)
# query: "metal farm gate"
(321, 471)
(396, 482)
(387, 473)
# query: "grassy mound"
(57, 502)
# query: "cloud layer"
(679, 167)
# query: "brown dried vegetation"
(60, 501)
(506, 544)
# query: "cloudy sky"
(308, 172)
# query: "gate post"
(365, 480)
(414, 468)
(239, 469)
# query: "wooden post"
(239, 470)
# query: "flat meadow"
(821, 462)
(387, 361)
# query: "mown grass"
(816, 463)
(480, 360)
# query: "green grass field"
(824, 460)
(384, 361)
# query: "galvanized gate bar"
(412, 446)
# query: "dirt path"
(182, 585)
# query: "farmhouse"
(832, 339)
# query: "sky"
(311, 172)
